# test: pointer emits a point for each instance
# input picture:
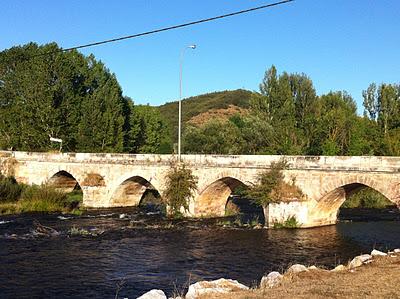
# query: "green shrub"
(10, 190)
(180, 187)
(16, 198)
(271, 187)
(367, 198)
(43, 198)
(44, 193)
(290, 222)
(74, 199)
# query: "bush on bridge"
(180, 187)
(270, 186)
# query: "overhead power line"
(173, 27)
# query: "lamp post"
(180, 100)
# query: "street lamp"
(180, 99)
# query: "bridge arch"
(213, 198)
(335, 193)
(64, 180)
(130, 191)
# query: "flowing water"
(91, 256)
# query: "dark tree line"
(45, 92)
(287, 117)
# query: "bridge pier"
(279, 213)
(95, 197)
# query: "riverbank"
(17, 198)
(44, 200)
(378, 277)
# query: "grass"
(17, 198)
(10, 190)
(290, 222)
(379, 279)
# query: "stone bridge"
(119, 180)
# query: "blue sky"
(340, 44)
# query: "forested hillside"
(45, 93)
(194, 106)
(287, 117)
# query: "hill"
(199, 109)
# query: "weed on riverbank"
(19, 198)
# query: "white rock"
(122, 216)
(359, 260)
(207, 288)
(397, 250)
(153, 294)
(312, 268)
(297, 268)
(365, 257)
(271, 280)
(339, 268)
(377, 253)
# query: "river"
(89, 256)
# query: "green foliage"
(270, 186)
(10, 190)
(214, 137)
(180, 187)
(148, 130)
(43, 193)
(65, 95)
(382, 107)
(367, 198)
(195, 105)
(17, 198)
(290, 222)
(73, 199)
(287, 117)
(76, 98)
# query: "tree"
(46, 92)
(285, 103)
(101, 127)
(148, 129)
(382, 103)
(213, 137)
(338, 115)
(370, 102)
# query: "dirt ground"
(378, 279)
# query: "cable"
(169, 28)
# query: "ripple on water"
(66, 266)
